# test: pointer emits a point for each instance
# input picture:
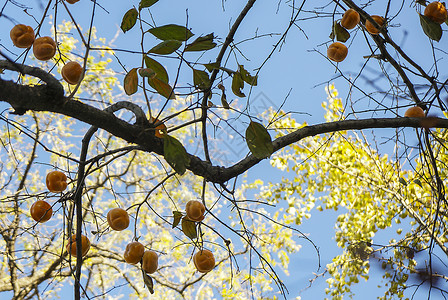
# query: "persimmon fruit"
(436, 11)
(195, 210)
(118, 219)
(337, 52)
(72, 72)
(204, 261)
(56, 181)
(41, 211)
(350, 19)
(72, 1)
(22, 36)
(133, 252)
(44, 48)
(371, 28)
(150, 261)
(414, 112)
(85, 245)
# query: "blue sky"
(298, 71)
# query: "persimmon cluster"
(44, 48)
(118, 220)
(135, 252)
(435, 11)
(204, 259)
(337, 51)
(41, 211)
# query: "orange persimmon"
(195, 210)
(414, 112)
(133, 252)
(85, 245)
(72, 72)
(350, 19)
(436, 11)
(44, 48)
(371, 28)
(150, 261)
(56, 181)
(41, 211)
(118, 219)
(22, 36)
(337, 52)
(204, 261)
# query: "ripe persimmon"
(204, 261)
(85, 245)
(44, 48)
(195, 210)
(72, 1)
(371, 28)
(22, 36)
(337, 52)
(133, 252)
(118, 219)
(436, 11)
(350, 19)
(414, 112)
(150, 261)
(72, 72)
(41, 211)
(56, 181)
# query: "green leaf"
(131, 82)
(258, 140)
(340, 33)
(175, 154)
(201, 79)
(202, 43)
(146, 3)
(237, 84)
(418, 182)
(211, 66)
(224, 102)
(161, 72)
(166, 47)
(403, 181)
(177, 215)
(432, 29)
(171, 32)
(159, 82)
(148, 282)
(252, 80)
(189, 228)
(129, 19)
(146, 72)
(162, 87)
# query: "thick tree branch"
(141, 120)
(45, 98)
(224, 174)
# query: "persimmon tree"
(130, 132)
